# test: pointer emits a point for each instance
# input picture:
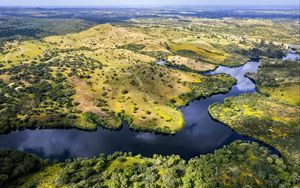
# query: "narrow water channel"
(200, 135)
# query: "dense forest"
(238, 164)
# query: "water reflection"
(243, 83)
(292, 55)
(161, 62)
(200, 135)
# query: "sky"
(146, 3)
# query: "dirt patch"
(5, 77)
(85, 97)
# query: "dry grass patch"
(85, 97)
(189, 63)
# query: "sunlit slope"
(224, 41)
(198, 46)
(279, 80)
(99, 76)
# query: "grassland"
(98, 76)
(219, 41)
(107, 73)
(237, 164)
(287, 93)
(186, 46)
(189, 64)
(266, 119)
(279, 80)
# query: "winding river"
(200, 135)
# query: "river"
(201, 133)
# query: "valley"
(150, 98)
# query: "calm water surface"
(292, 55)
(200, 135)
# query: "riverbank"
(268, 116)
(202, 133)
(127, 170)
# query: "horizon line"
(153, 6)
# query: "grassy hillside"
(98, 76)
(221, 41)
(107, 73)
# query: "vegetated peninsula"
(272, 116)
(94, 77)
